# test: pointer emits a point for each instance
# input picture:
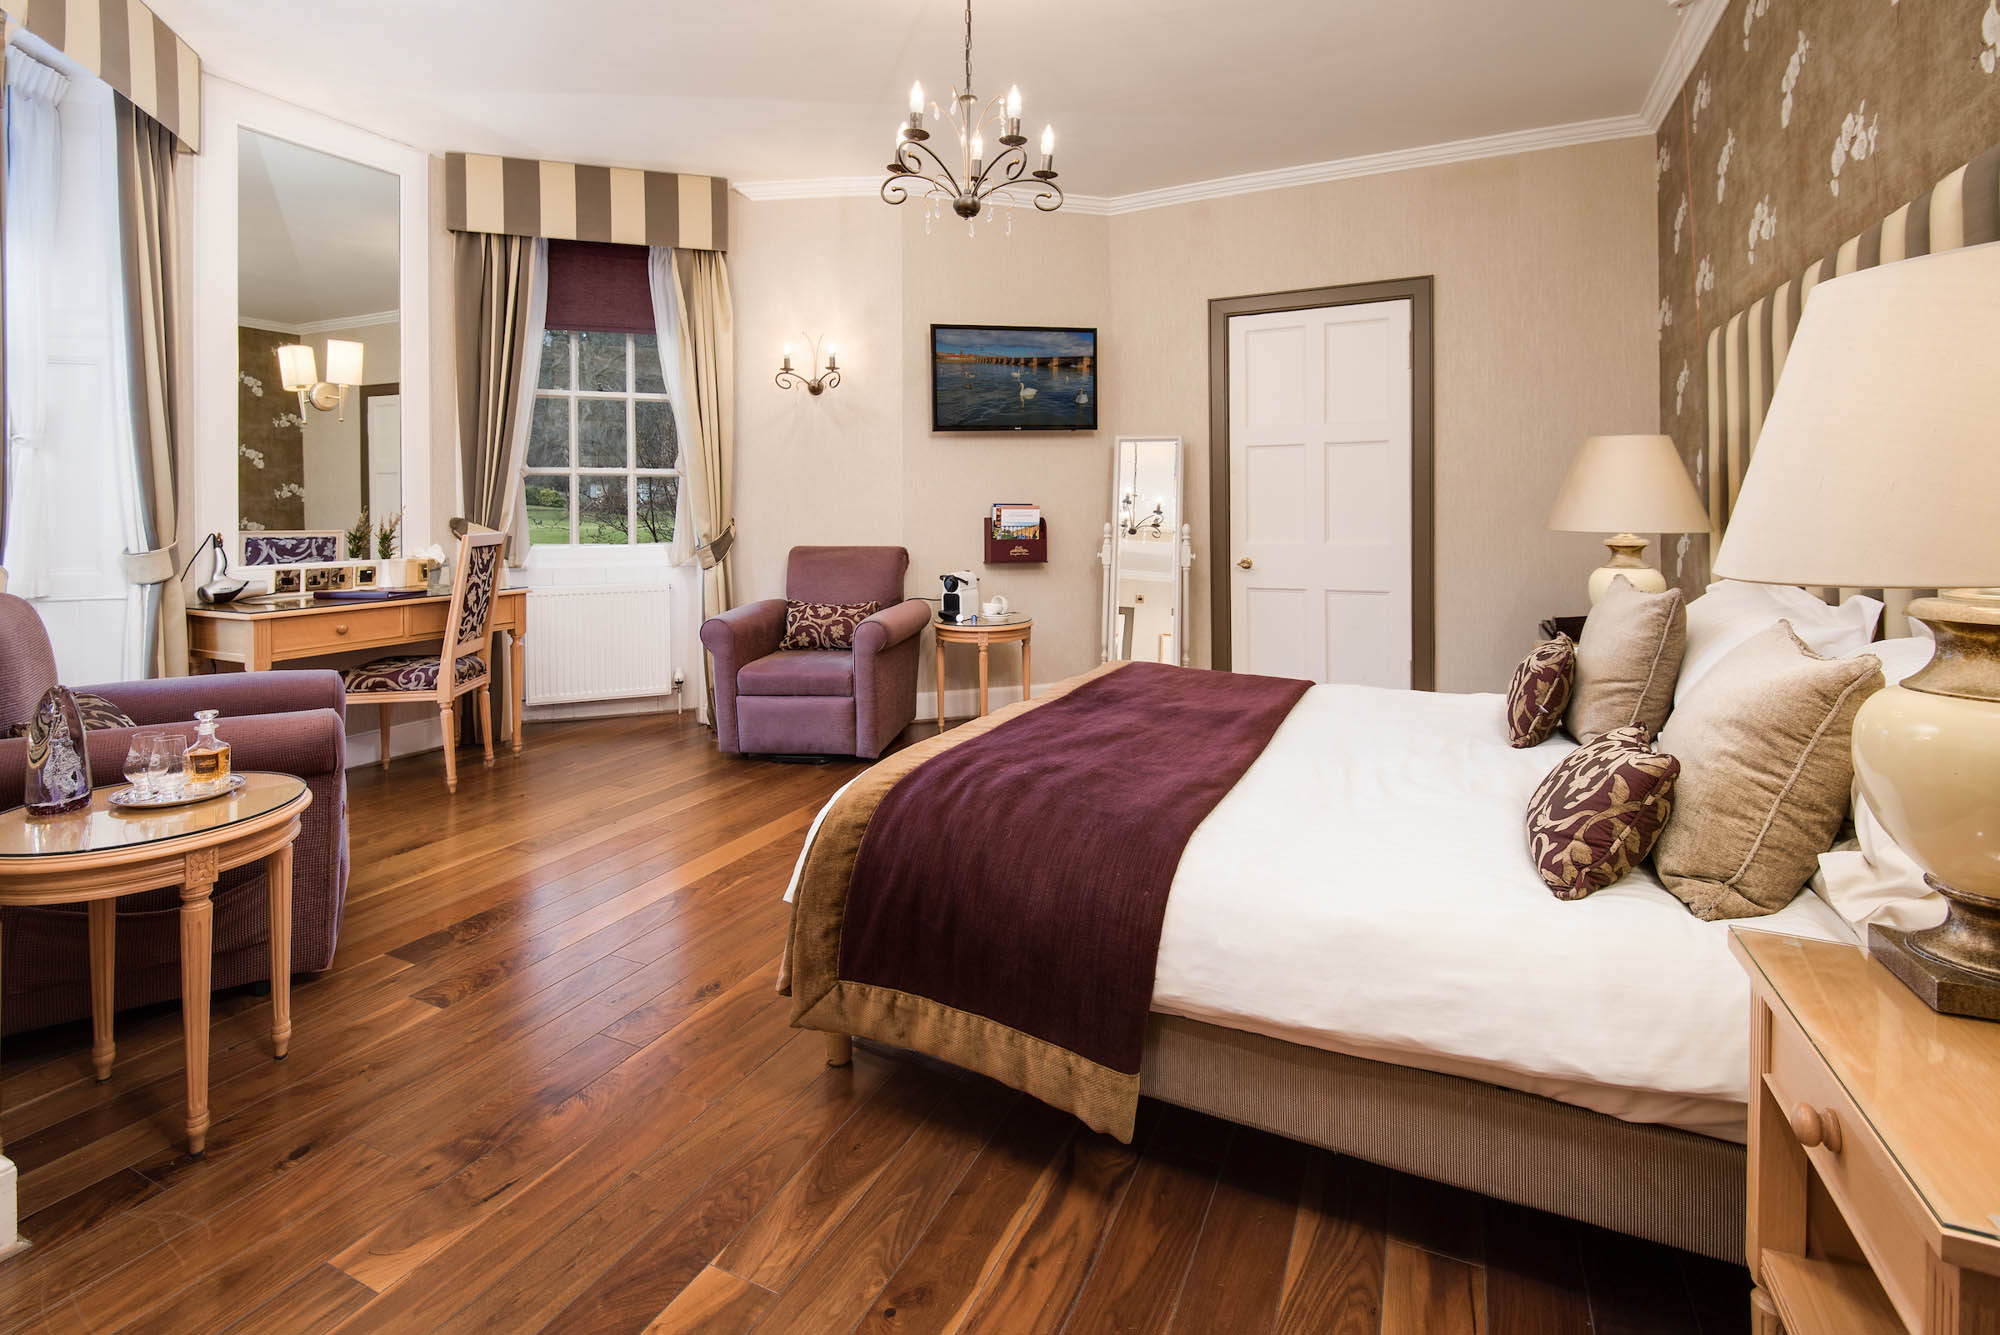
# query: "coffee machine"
(961, 597)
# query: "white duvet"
(1366, 888)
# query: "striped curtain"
(502, 296)
(149, 208)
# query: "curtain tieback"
(711, 553)
(154, 567)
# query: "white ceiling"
(317, 239)
(1144, 94)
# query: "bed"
(1353, 949)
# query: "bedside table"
(1554, 626)
(1874, 1192)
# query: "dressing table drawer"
(332, 632)
(425, 620)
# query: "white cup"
(996, 606)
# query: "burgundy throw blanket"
(1023, 875)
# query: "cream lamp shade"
(1879, 463)
(297, 368)
(1625, 486)
(1879, 467)
(343, 362)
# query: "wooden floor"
(548, 1086)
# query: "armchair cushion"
(799, 672)
(96, 712)
(824, 625)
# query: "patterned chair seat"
(408, 674)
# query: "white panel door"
(385, 454)
(1319, 493)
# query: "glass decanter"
(207, 756)
(58, 761)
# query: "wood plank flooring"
(547, 1086)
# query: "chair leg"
(450, 748)
(486, 724)
(384, 717)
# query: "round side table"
(96, 854)
(1016, 627)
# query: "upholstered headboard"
(1746, 354)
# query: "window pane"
(657, 497)
(600, 433)
(548, 509)
(548, 433)
(601, 362)
(646, 364)
(600, 509)
(555, 359)
(658, 445)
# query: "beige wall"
(1546, 299)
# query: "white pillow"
(1731, 612)
(1876, 881)
(1901, 658)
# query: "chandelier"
(917, 167)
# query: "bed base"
(1654, 1182)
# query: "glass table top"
(1005, 619)
(101, 827)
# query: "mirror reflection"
(1144, 612)
(319, 419)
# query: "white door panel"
(1319, 461)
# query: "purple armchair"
(291, 722)
(855, 702)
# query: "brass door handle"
(1814, 1128)
(1244, 563)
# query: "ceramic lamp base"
(1628, 558)
(1927, 758)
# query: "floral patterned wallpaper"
(270, 437)
(1803, 123)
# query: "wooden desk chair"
(462, 666)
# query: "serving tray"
(128, 799)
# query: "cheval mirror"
(1146, 552)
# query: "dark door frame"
(1419, 292)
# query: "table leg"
(103, 983)
(517, 689)
(982, 679)
(1027, 666)
(197, 944)
(278, 876)
(940, 684)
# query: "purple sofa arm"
(885, 674)
(736, 637)
(233, 694)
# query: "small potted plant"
(386, 534)
(358, 536)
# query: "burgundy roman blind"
(599, 287)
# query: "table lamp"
(1879, 467)
(1628, 485)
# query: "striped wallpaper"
(125, 44)
(567, 202)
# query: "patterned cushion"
(481, 567)
(1540, 692)
(96, 712)
(407, 674)
(1598, 813)
(824, 625)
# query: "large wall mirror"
(1146, 553)
(319, 344)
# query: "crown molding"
(323, 326)
(1698, 23)
(1221, 187)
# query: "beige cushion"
(1627, 662)
(1763, 743)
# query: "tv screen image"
(1013, 378)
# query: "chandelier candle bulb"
(788, 357)
(831, 364)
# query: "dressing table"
(256, 639)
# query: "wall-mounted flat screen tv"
(1013, 378)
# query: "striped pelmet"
(568, 202)
(125, 44)
(1746, 354)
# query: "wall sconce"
(815, 385)
(298, 371)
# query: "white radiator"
(599, 642)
